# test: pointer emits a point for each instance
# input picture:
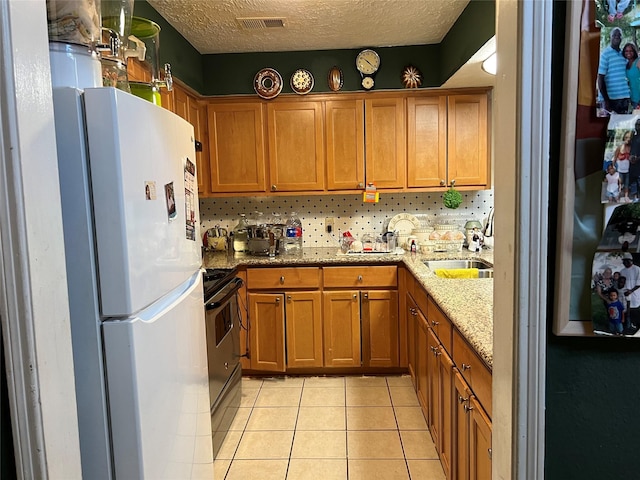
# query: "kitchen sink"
(485, 270)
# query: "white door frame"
(34, 307)
(521, 133)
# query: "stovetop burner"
(215, 278)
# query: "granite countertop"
(467, 302)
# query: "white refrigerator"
(130, 213)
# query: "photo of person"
(622, 152)
(617, 87)
(613, 184)
(615, 306)
(171, 201)
(621, 232)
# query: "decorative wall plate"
(403, 223)
(267, 83)
(411, 77)
(301, 81)
(335, 79)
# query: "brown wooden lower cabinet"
(422, 363)
(479, 442)
(303, 319)
(379, 313)
(341, 329)
(266, 311)
(412, 334)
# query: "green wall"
(232, 74)
(186, 61)
(593, 387)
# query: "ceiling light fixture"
(490, 64)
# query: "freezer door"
(158, 390)
(145, 199)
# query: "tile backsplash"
(349, 211)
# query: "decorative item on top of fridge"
(161, 77)
(74, 28)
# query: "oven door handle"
(233, 286)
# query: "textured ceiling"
(211, 26)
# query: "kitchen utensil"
(469, 227)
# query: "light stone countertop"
(467, 302)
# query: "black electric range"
(216, 278)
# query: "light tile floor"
(297, 428)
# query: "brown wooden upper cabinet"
(385, 141)
(467, 140)
(236, 147)
(187, 106)
(345, 144)
(296, 146)
(447, 141)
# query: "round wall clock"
(335, 79)
(267, 83)
(302, 81)
(368, 62)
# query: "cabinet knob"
(453, 182)
(288, 298)
(282, 280)
(442, 183)
(466, 366)
(366, 296)
(490, 453)
(434, 323)
(277, 299)
(360, 278)
(462, 399)
(468, 408)
(274, 188)
(355, 295)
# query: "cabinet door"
(385, 147)
(447, 396)
(479, 443)
(412, 337)
(304, 329)
(422, 354)
(341, 329)
(380, 328)
(236, 147)
(433, 367)
(186, 106)
(266, 313)
(467, 145)
(296, 146)
(461, 419)
(345, 144)
(426, 142)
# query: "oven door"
(223, 336)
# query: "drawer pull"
(282, 280)
(360, 278)
(434, 323)
(467, 408)
(466, 367)
(462, 399)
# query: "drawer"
(356, 277)
(409, 282)
(422, 299)
(440, 323)
(473, 369)
(279, 278)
